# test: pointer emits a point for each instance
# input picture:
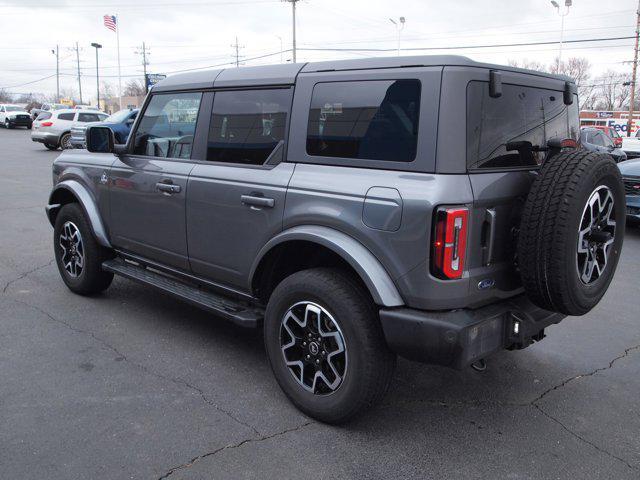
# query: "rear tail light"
(449, 242)
(568, 143)
(46, 124)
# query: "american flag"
(110, 22)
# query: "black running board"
(239, 313)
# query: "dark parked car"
(331, 205)
(120, 123)
(631, 177)
(595, 140)
(612, 133)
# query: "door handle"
(257, 201)
(489, 234)
(168, 187)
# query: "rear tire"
(360, 374)
(78, 255)
(65, 141)
(571, 232)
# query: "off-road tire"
(92, 279)
(550, 225)
(370, 363)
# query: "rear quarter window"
(523, 117)
(66, 116)
(369, 120)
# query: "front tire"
(326, 346)
(78, 256)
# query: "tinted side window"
(247, 125)
(372, 120)
(167, 125)
(66, 116)
(89, 117)
(597, 139)
(526, 117)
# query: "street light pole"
(563, 13)
(56, 52)
(399, 28)
(97, 46)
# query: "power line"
(466, 47)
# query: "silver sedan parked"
(53, 128)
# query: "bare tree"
(611, 91)
(5, 97)
(528, 65)
(134, 88)
(578, 68)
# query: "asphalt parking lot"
(133, 384)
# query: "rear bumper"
(45, 137)
(460, 337)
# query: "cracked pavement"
(134, 384)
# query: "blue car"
(120, 122)
(631, 177)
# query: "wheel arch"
(302, 245)
(72, 191)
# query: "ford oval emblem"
(486, 283)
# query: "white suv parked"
(53, 128)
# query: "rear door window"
(247, 125)
(89, 117)
(505, 132)
(167, 125)
(371, 120)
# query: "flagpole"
(119, 75)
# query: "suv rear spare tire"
(571, 231)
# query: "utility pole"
(237, 48)
(293, 7)
(144, 52)
(633, 75)
(56, 52)
(79, 81)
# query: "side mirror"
(100, 139)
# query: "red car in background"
(612, 133)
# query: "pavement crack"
(145, 369)
(232, 446)
(581, 438)
(535, 401)
(25, 274)
(582, 375)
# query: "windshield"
(11, 108)
(118, 117)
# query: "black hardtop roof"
(285, 74)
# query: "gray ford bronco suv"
(430, 207)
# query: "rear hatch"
(506, 138)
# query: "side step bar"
(239, 313)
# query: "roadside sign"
(153, 78)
